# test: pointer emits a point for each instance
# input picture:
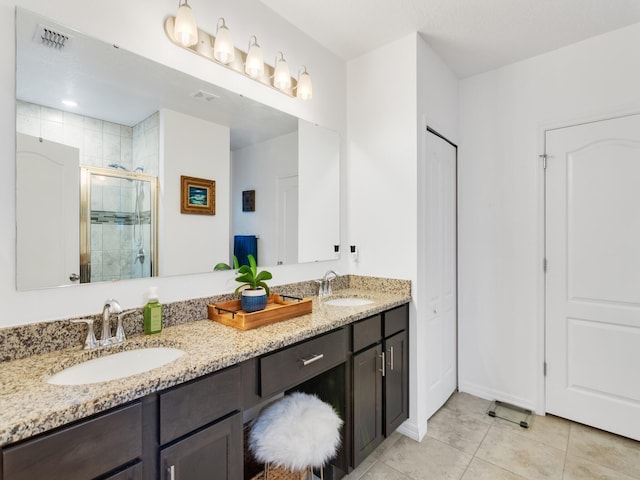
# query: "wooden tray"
(277, 309)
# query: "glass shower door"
(117, 225)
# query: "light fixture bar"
(237, 65)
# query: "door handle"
(391, 358)
(172, 472)
(74, 277)
(383, 369)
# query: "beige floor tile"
(380, 471)
(577, 468)
(523, 456)
(459, 430)
(612, 451)
(481, 470)
(465, 403)
(429, 459)
(550, 430)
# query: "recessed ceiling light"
(69, 103)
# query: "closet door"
(441, 270)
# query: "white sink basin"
(348, 302)
(117, 365)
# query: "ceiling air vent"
(206, 96)
(50, 38)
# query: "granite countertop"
(29, 405)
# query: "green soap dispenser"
(152, 313)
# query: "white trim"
(490, 394)
(412, 430)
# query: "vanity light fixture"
(254, 65)
(183, 32)
(282, 75)
(185, 26)
(304, 89)
(223, 49)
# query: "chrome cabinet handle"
(384, 368)
(74, 277)
(172, 472)
(312, 358)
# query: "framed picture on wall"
(249, 201)
(198, 195)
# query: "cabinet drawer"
(300, 362)
(109, 440)
(396, 320)
(195, 404)
(367, 332)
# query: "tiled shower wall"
(104, 144)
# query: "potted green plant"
(253, 291)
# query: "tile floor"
(464, 443)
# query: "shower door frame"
(85, 215)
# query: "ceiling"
(471, 36)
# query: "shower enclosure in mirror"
(117, 224)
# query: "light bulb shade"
(282, 75)
(223, 49)
(185, 29)
(254, 66)
(305, 90)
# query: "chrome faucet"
(324, 285)
(110, 306)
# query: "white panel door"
(593, 276)
(48, 209)
(441, 278)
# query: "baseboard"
(412, 430)
(490, 394)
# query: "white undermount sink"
(348, 302)
(116, 365)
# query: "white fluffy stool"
(298, 433)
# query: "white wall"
(258, 167)
(437, 107)
(388, 109)
(138, 26)
(195, 148)
(503, 114)
(381, 153)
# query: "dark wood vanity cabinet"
(201, 428)
(109, 442)
(189, 432)
(195, 430)
(380, 380)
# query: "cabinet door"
(214, 453)
(396, 387)
(367, 403)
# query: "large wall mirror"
(104, 138)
